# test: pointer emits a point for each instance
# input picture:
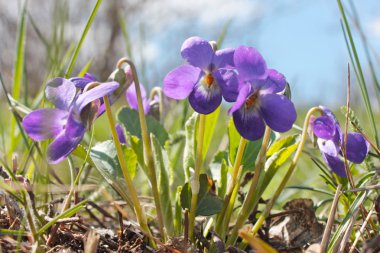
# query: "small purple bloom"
(259, 101)
(131, 97)
(120, 134)
(68, 122)
(330, 142)
(81, 82)
(205, 79)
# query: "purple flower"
(330, 142)
(203, 79)
(131, 97)
(259, 101)
(68, 122)
(120, 134)
(81, 82)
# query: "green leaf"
(190, 144)
(219, 172)
(105, 160)
(208, 203)
(104, 156)
(285, 148)
(162, 164)
(130, 120)
(210, 123)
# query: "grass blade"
(84, 33)
(359, 73)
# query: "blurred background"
(302, 39)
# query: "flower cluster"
(77, 104)
(238, 75)
(331, 142)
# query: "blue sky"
(302, 39)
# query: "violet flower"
(203, 79)
(68, 122)
(131, 97)
(259, 102)
(330, 142)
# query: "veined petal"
(357, 147)
(95, 93)
(44, 124)
(74, 126)
(224, 58)
(250, 64)
(274, 83)
(278, 112)
(197, 52)
(205, 99)
(60, 92)
(244, 93)
(335, 164)
(328, 147)
(324, 127)
(61, 147)
(132, 98)
(229, 83)
(249, 124)
(179, 82)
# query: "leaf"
(285, 148)
(210, 123)
(189, 150)
(162, 164)
(130, 120)
(255, 242)
(219, 172)
(208, 203)
(104, 156)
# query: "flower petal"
(357, 147)
(229, 83)
(120, 134)
(81, 82)
(335, 164)
(61, 147)
(197, 52)
(205, 99)
(324, 127)
(60, 92)
(328, 147)
(76, 125)
(274, 83)
(44, 124)
(249, 124)
(224, 58)
(95, 93)
(250, 64)
(132, 98)
(244, 93)
(179, 82)
(278, 112)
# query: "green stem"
(141, 218)
(290, 171)
(247, 207)
(228, 201)
(148, 150)
(197, 171)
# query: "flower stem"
(141, 218)
(288, 174)
(247, 207)
(148, 151)
(228, 201)
(197, 171)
